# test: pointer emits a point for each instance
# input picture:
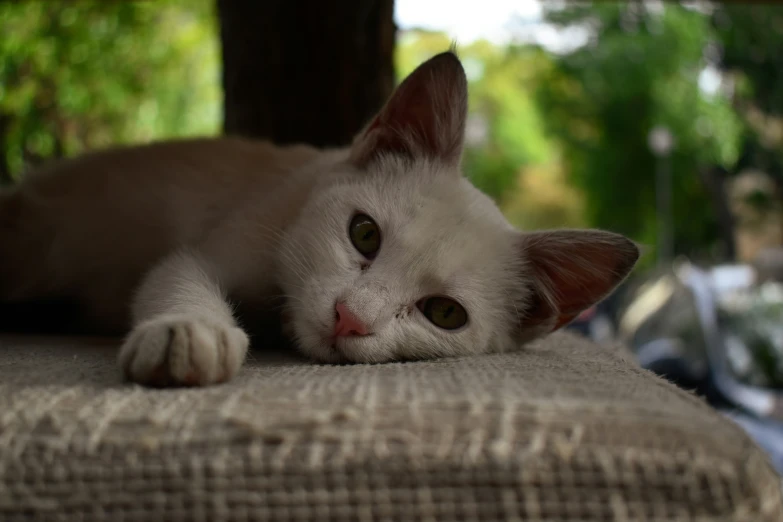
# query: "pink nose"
(346, 323)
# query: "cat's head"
(404, 258)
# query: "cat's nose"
(346, 323)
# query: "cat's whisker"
(514, 304)
(306, 263)
(299, 264)
(279, 236)
(289, 297)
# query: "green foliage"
(502, 97)
(84, 75)
(505, 97)
(752, 54)
(640, 70)
(567, 136)
(751, 39)
(543, 198)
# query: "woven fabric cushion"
(563, 430)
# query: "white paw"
(183, 351)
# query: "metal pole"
(663, 192)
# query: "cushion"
(562, 430)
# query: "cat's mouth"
(344, 350)
(338, 355)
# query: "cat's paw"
(183, 351)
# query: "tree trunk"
(5, 168)
(307, 71)
(714, 179)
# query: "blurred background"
(581, 114)
(662, 121)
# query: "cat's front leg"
(184, 332)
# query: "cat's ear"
(424, 118)
(571, 270)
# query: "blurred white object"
(728, 278)
(660, 140)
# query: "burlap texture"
(560, 431)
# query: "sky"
(467, 21)
(487, 19)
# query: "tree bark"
(714, 179)
(5, 169)
(307, 71)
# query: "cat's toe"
(183, 351)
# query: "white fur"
(440, 236)
(185, 331)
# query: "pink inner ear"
(375, 141)
(424, 117)
(373, 124)
(573, 270)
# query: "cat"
(378, 251)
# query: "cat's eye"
(365, 235)
(443, 312)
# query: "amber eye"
(365, 235)
(444, 312)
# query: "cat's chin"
(343, 351)
(339, 351)
(328, 352)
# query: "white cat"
(381, 251)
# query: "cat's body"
(84, 231)
(379, 251)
